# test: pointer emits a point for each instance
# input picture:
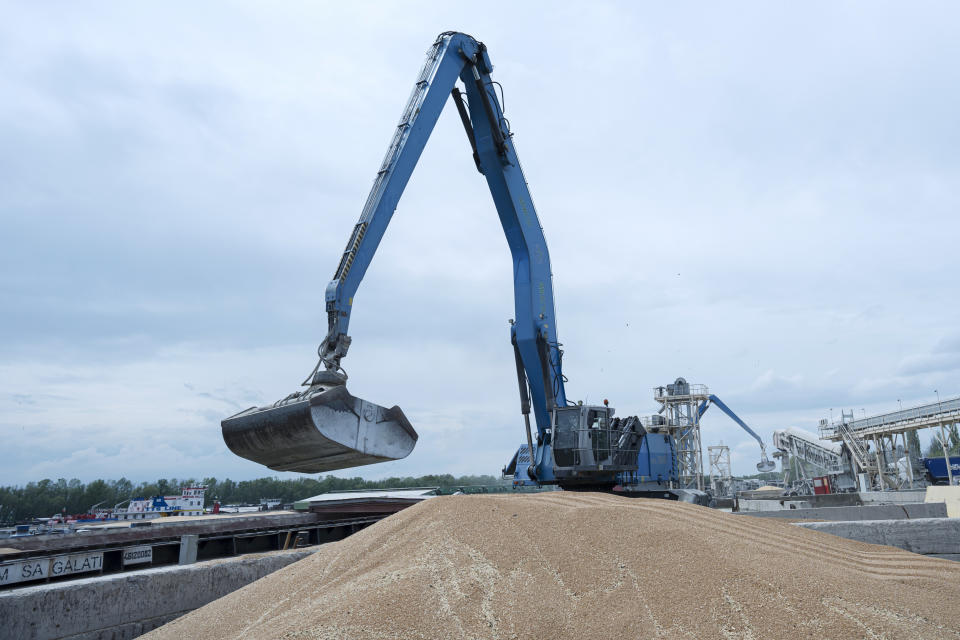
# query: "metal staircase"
(865, 460)
(857, 448)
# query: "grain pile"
(568, 565)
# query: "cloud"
(171, 216)
(944, 357)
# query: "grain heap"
(568, 565)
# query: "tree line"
(47, 497)
(935, 449)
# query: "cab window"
(597, 419)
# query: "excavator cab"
(588, 441)
(321, 429)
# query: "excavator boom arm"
(324, 427)
(458, 56)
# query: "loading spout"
(765, 465)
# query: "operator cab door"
(597, 441)
(581, 437)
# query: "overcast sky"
(760, 197)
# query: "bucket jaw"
(322, 429)
(766, 465)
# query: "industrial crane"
(765, 465)
(323, 427)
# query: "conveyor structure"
(829, 458)
(873, 442)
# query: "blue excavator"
(322, 427)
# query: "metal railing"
(671, 391)
(923, 413)
(593, 449)
(656, 420)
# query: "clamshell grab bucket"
(322, 431)
(765, 465)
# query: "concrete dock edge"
(123, 606)
(928, 536)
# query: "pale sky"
(760, 197)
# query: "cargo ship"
(188, 503)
